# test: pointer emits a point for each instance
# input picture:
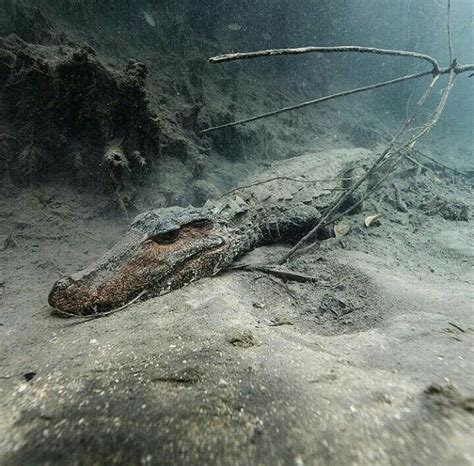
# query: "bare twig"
(457, 327)
(102, 314)
(450, 37)
(319, 101)
(417, 164)
(458, 69)
(7, 136)
(341, 49)
(400, 203)
(437, 113)
(440, 164)
(287, 178)
(277, 272)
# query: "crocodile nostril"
(63, 283)
(60, 286)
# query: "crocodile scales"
(168, 248)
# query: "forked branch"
(320, 100)
(458, 69)
(436, 70)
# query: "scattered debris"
(336, 306)
(341, 229)
(280, 320)
(454, 210)
(242, 339)
(448, 396)
(400, 204)
(29, 376)
(234, 27)
(259, 305)
(372, 220)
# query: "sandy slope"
(241, 368)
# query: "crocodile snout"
(59, 290)
(69, 295)
(153, 266)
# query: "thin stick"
(287, 178)
(437, 113)
(374, 166)
(103, 314)
(340, 49)
(418, 164)
(280, 273)
(319, 101)
(450, 37)
(457, 327)
(461, 69)
(440, 164)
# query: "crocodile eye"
(201, 223)
(166, 237)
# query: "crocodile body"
(165, 249)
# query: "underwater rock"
(65, 106)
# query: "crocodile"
(168, 248)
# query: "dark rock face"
(66, 108)
(67, 98)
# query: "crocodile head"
(162, 250)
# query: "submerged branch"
(458, 69)
(440, 164)
(287, 178)
(450, 36)
(320, 100)
(284, 274)
(341, 49)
